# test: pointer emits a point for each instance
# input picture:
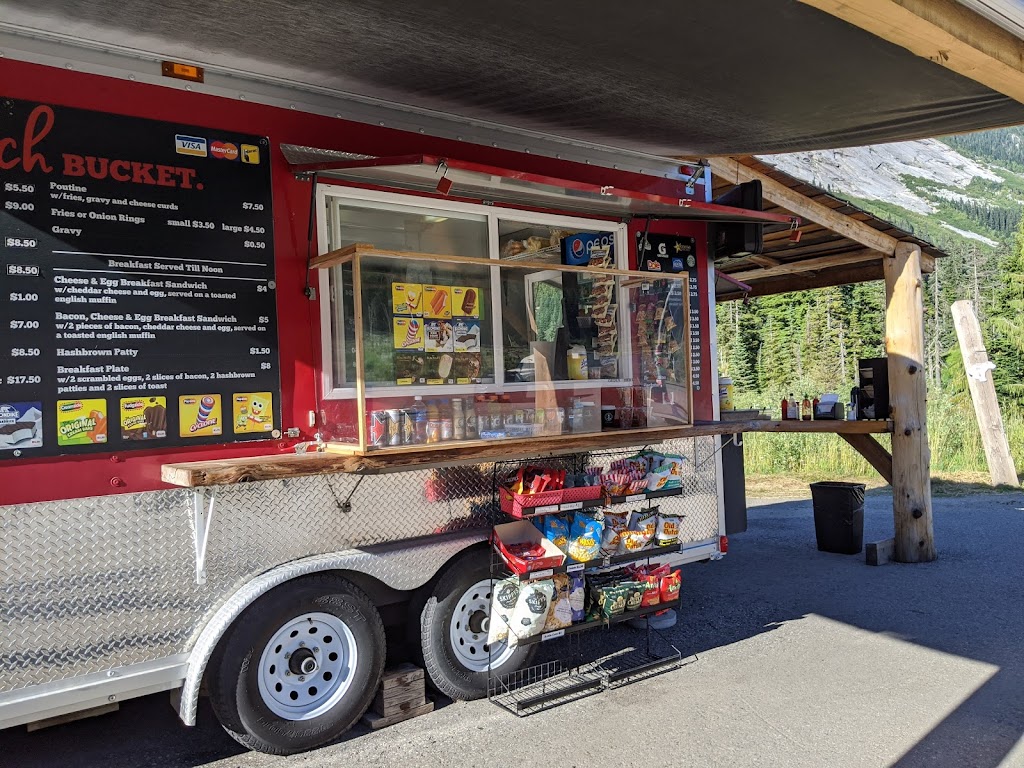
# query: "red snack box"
(510, 538)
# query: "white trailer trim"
(40, 702)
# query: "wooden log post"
(911, 458)
(983, 392)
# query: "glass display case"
(453, 329)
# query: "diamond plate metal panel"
(93, 584)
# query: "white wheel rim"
(307, 667)
(468, 631)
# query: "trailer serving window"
(453, 322)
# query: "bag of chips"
(673, 462)
(632, 542)
(670, 586)
(614, 526)
(577, 596)
(667, 532)
(645, 520)
(633, 591)
(585, 536)
(505, 595)
(556, 530)
(531, 611)
(658, 479)
(560, 614)
(652, 590)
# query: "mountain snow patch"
(875, 172)
(969, 235)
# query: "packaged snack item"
(577, 596)
(503, 601)
(670, 585)
(633, 592)
(560, 614)
(531, 611)
(614, 600)
(614, 526)
(633, 541)
(673, 462)
(645, 520)
(585, 536)
(652, 590)
(556, 530)
(667, 533)
(657, 480)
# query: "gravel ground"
(802, 659)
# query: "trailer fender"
(404, 566)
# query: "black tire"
(447, 674)
(233, 677)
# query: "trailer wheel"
(299, 667)
(453, 631)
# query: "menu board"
(674, 254)
(138, 307)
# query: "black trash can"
(839, 516)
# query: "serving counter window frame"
(330, 261)
(328, 234)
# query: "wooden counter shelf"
(346, 459)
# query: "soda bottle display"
(433, 423)
(446, 421)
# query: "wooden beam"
(874, 452)
(911, 459)
(944, 32)
(764, 261)
(737, 173)
(282, 466)
(787, 283)
(861, 256)
(983, 392)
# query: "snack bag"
(645, 520)
(556, 530)
(531, 611)
(585, 536)
(657, 480)
(633, 541)
(614, 526)
(614, 600)
(577, 596)
(560, 615)
(633, 591)
(673, 462)
(670, 586)
(667, 533)
(652, 591)
(503, 602)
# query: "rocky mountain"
(956, 191)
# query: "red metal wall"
(60, 478)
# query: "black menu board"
(138, 304)
(675, 254)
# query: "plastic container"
(578, 360)
(725, 394)
(838, 516)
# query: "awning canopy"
(461, 179)
(695, 78)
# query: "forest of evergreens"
(810, 342)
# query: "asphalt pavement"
(798, 658)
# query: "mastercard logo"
(224, 150)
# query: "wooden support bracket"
(874, 452)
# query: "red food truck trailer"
(269, 357)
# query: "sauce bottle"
(805, 408)
(814, 407)
(792, 409)
(785, 408)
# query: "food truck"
(270, 360)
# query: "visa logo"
(190, 145)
